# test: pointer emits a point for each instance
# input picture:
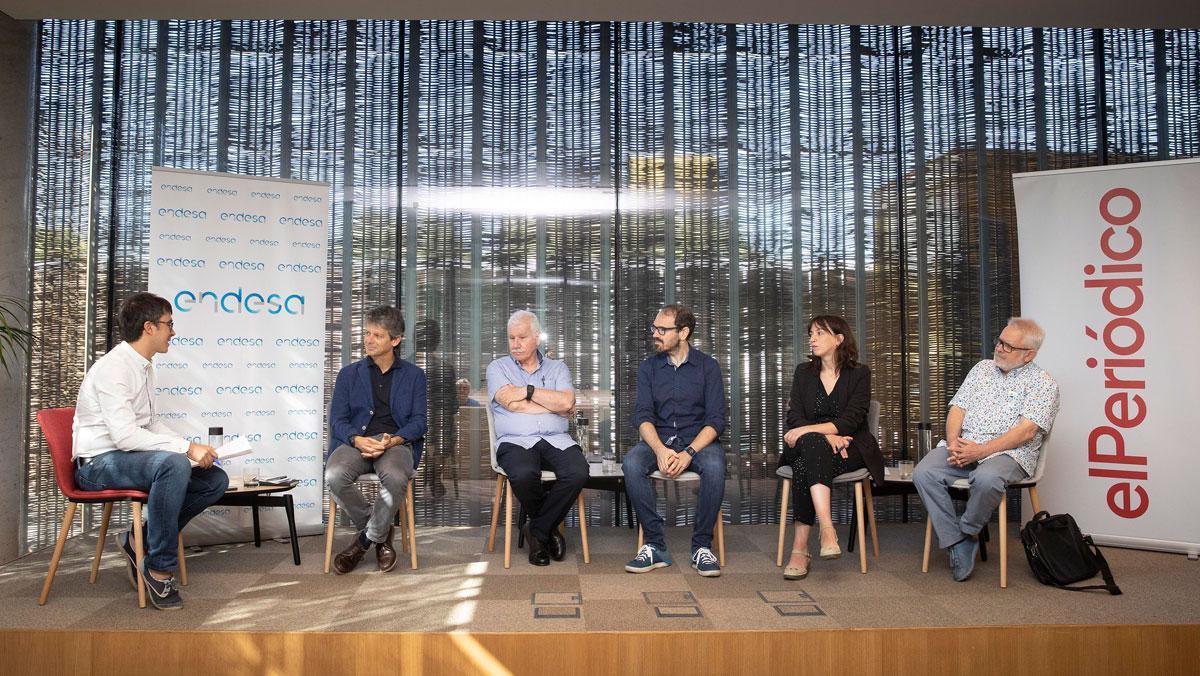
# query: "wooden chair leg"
(1004, 542)
(402, 522)
(68, 517)
(139, 553)
(721, 537)
(783, 506)
(108, 507)
(581, 506)
(182, 562)
(862, 536)
(928, 536)
(870, 507)
(491, 544)
(412, 526)
(329, 533)
(508, 506)
(1033, 500)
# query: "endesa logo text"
(1119, 282)
(242, 217)
(174, 187)
(194, 263)
(239, 389)
(193, 214)
(296, 389)
(179, 391)
(302, 222)
(240, 302)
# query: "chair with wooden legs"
(719, 528)
(404, 520)
(964, 485)
(863, 502)
(504, 489)
(56, 428)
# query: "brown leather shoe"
(385, 553)
(346, 561)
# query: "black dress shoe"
(557, 545)
(538, 555)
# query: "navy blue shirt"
(381, 384)
(680, 400)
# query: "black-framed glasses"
(662, 330)
(170, 323)
(1006, 347)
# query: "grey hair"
(535, 324)
(388, 318)
(1033, 333)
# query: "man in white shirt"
(118, 444)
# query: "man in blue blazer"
(376, 424)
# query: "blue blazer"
(353, 402)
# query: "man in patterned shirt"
(994, 432)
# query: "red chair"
(56, 424)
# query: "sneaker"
(164, 594)
(705, 563)
(648, 558)
(126, 545)
(962, 558)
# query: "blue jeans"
(178, 492)
(989, 484)
(709, 463)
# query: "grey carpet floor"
(460, 586)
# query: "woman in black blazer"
(827, 434)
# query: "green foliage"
(14, 339)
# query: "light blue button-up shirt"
(995, 401)
(526, 429)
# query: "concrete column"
(17, 40)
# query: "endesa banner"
(1109, 268)
(243, 262)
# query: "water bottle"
(584, 434)
(216, 436)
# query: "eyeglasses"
(662, 330)
(170, 323)
(1006, 348)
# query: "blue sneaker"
(164, 594)
(705, 563)
(962, 558)
(648, 558)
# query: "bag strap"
(1109, 583)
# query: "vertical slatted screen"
(591, 172)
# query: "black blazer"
(853, 396)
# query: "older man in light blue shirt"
(994, 433)
(532, 399)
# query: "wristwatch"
(690, 451)
(529, 393)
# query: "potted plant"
(14, 339)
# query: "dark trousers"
(816, 463)
(546, 508)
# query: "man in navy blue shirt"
(376, 424)
(680, 414)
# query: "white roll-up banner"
(1109, 266)
(243, 262)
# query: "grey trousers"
(394, 467)
(989, 483)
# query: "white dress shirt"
(115, 410)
